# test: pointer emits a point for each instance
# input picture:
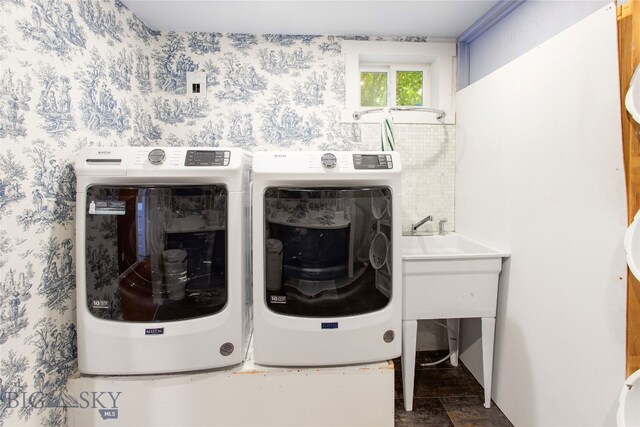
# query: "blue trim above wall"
(478, 28)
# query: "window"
(393, 86)
(374, 88)
(410, 88)
(399, 74)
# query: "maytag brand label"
(154, 331)
(329, 325)
(278, 299)
(107, 207)
(100, 303)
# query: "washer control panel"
(207, 158)
(372, 161)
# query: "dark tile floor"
(444, 395)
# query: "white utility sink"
(451, 245)
(448, 277)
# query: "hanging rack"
(440, 113)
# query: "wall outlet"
(196, 84)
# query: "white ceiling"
(426, 18)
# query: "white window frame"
(435, 59)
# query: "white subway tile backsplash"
(428, 174)
(428, 171)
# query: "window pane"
(409, 88)
(373, 89)
(156, 254)
(327, 250)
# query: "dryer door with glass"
(156, 253)
(327, 250)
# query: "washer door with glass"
(327, 250)
(156, 254)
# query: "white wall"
(540, 173)
(526, 27)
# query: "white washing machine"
(163, 259)
(327, 259)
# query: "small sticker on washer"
(154, 331)
(107, 207)
(329, 325)
(278, 299)
(100, 303)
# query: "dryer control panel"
(372, 161)
(364, 163)
(207, 158)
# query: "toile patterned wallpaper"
(88, 72)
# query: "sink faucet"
(414, 227)
(441, 226)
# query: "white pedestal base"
(246, 395)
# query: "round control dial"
(329, 161)
(157, 156)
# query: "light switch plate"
(196, 84)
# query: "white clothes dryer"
(163, 259)
(327, 258)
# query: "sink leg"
(453, 325)
(409, 337)
(488, 336)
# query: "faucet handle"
(441, 226)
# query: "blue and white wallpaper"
(75, 73)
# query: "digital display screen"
(370, 160)
(205, 156)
